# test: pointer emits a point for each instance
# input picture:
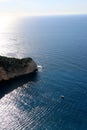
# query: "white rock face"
(12, 67)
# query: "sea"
(55, 97)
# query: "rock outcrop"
(12, 67)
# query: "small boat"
(62, 96)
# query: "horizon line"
(47, 14)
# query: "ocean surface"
(58, 44)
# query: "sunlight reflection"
(5, 22)
(9, 38)
(15, 39)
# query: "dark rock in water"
(13, 67)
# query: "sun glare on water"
(5, 22)
(7, 27)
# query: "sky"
(42, 7)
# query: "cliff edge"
(13, 67)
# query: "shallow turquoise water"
(59, 44)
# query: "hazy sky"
(43, 7)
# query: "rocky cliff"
(12, 67)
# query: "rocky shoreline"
(13, 67)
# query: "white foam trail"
(40, 68)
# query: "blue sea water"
(59, 45)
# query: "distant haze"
(42, 7)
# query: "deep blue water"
(59, 44)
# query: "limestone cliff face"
(12, 67)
